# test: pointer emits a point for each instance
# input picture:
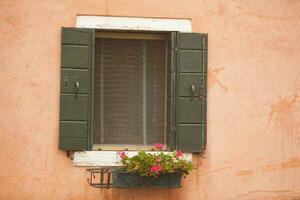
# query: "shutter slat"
(74, 107)
(75, 56)
(68, 129)
(190, 60)
(76, 61)
(190, 41)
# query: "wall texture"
(253, 107)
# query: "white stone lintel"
(134, 23)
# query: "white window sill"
(106, 158)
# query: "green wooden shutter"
(191, 91)
(75, 92)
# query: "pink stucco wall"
(253, 147)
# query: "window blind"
(129, 91)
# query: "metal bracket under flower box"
(100, 177)
(119, 178)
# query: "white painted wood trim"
(106, 158)
(134, 23)
(110, 158)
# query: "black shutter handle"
(193, 90)
(77, 85)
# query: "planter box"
(123, 179)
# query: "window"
(130, 99)
(128, 90)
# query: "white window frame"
(111, 158)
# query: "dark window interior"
(129, 91)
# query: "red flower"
(122, 154)
(179, 153)
(155, 168)
(159, 146)
(158, 159)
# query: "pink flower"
(122, 154)
(179, 153)
(158, 159)
(155, 168)
(159, 146)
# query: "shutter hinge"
(174, 129)
(174, 136)
(70, 154)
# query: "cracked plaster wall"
(253, 99)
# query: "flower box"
(151, 170)
(123, 179)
